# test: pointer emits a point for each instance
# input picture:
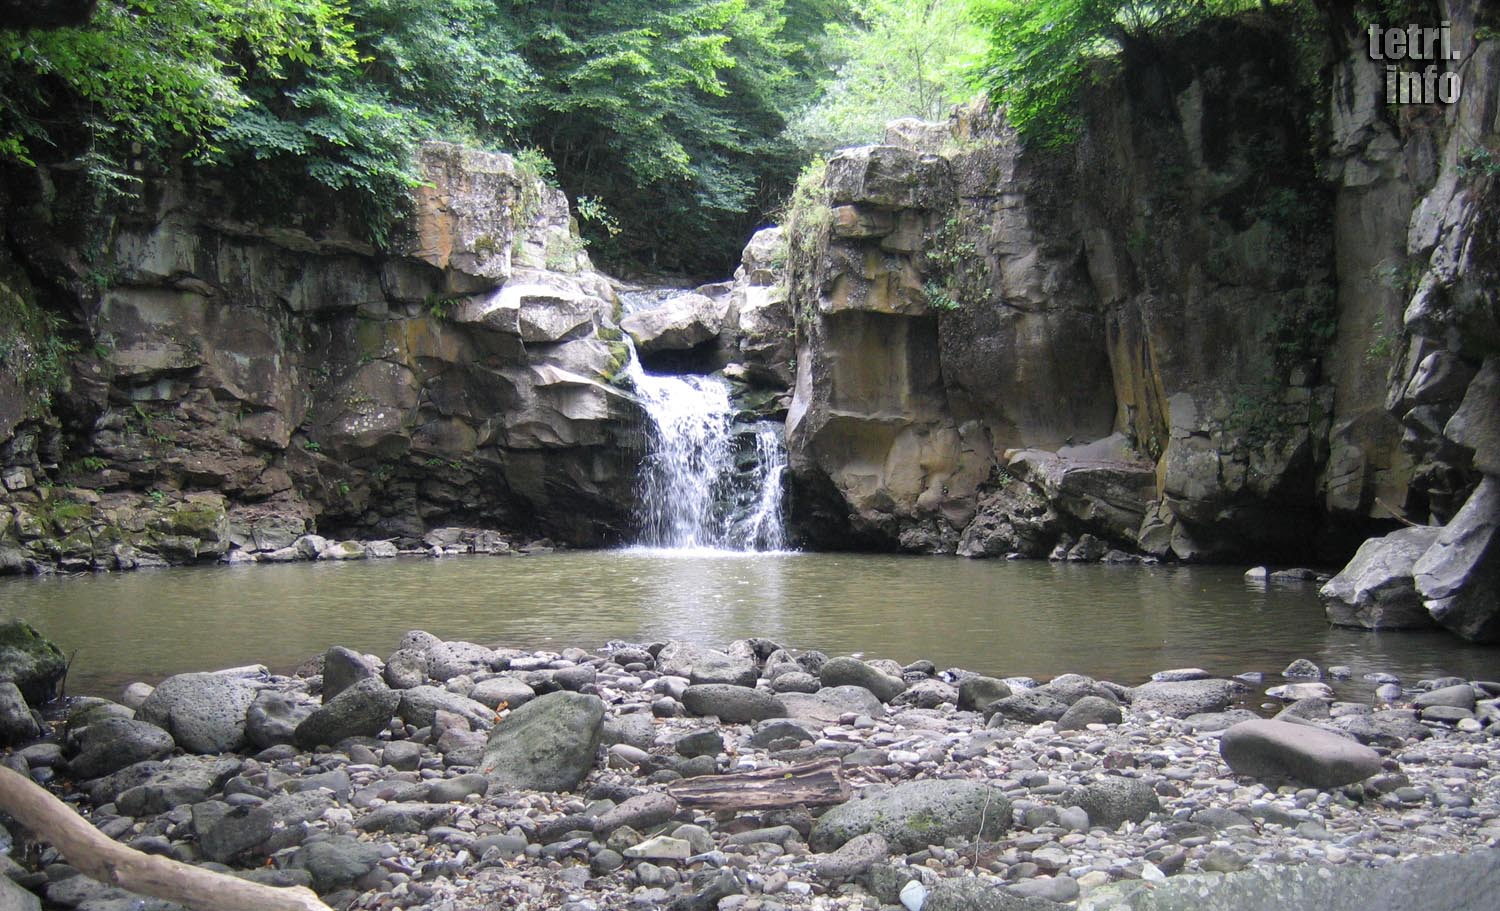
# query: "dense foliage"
(146, 73)
(1041, 52)
(668, 114)
(896, 59)
(673, 124)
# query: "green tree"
(453, 60)
(437, 68)
(897, 60)
(153, 73)
(658, 109)
(670, 113)
(1041, 52)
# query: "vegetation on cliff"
(678, 124)
(895, 60)
(670, 114)
(1040, 51)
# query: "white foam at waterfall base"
(691, 496)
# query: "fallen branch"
(811, 784)
(108, 861)
(1398, 515)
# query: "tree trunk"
(108, 861)
(811, 784)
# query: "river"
(998, 617)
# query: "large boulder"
(1476, 423)
(1111, 800)
(916, 814)
(446, 660)
(538, 307)
(111, 744)
(705, 665)
(1392, 730)
(30, 661)
(759, 303)
(1181, 698)
(926, 694)
(15, 897)
(245, 828)
(854, 672)
(420, 705)
(548, 744)
(405, 668)
(830, 703)
(1107, 496)
(1459, 575)
(362, 710)
(1069, 688)
(273, 718)
(344, 667)
(336, 861)
(681, 322)
(502, 692)
(732, 704)
(174, 786)
(1459, 696)
(1089, 710)
(205, 713)
(17, 723)
(1276, 751)
(1027, 707)
(1376, 589)
(972, 893)
(974, 693)
(888, 177)
(236, 832)
(461, 219)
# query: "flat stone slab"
(1285, 751)
(830, 703)
(916, 814)
(1181, 698)
(732, 704)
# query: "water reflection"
(1035, 618)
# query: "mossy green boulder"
(916, 814)
(30, 661)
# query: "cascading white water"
(687, 458)
(764, 527)
(706, 482)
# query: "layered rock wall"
(1425, 193)
(258, 379)
(1200, 290)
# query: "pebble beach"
(456, 776)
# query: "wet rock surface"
(592, 797)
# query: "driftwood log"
(810, 784)
(102, 858)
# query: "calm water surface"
(1042, 619)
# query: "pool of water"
(1041, 619)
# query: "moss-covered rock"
(30, 661)
(916, 814)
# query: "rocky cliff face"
(240, 382)
(1444, 383)
(1196, 316)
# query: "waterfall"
(707, 481)
(764, 528)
